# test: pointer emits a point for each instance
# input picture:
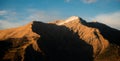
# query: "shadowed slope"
(111, 34)
(90, 35)
(13, 42)
(60, 44)
(112, 53)
(105, 40)
(43, 42)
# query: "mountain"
(73, 39)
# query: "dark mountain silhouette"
(71, 40)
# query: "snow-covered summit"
(72, 18)
(69, 19)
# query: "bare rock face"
(104, 39)
(71, 40)
(90, 35)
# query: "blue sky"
(19, 12)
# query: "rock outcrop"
(71, 40)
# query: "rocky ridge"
(72, 39)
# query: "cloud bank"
(43, 15)
(111, 19)
(83, 1)
(9, 19)
(89, 1)
(67, 1)
(7, 24)
(3, 12)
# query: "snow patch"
(69, 20)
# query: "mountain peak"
(75, 19)
(69, 20)
(72, 18)
(75, 40)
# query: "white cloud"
(89, 1)
(13, 19)
(9, 19)
(3, 12)
(7, 24)
(44, 16)
(67, 1)
(111, 19)
(8, 15)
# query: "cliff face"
(71, 40)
